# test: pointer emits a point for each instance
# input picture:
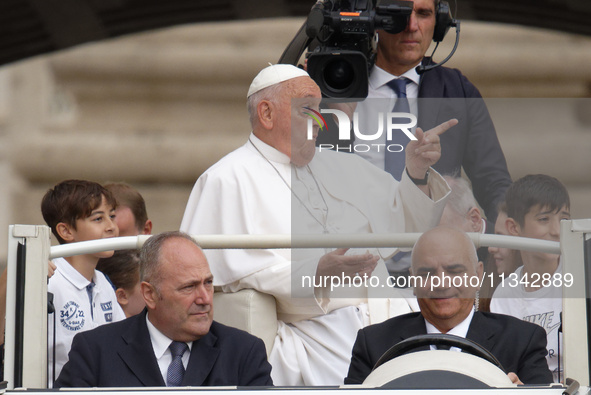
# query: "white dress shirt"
(160, 344)
(381, 98)
(460, 330)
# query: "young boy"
(76, 211)
(535, 206)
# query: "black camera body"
(341, 52)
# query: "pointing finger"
(440, 129)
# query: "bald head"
(445, 260)
(443, 238)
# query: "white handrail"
(372, 240)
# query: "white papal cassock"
(249, 192)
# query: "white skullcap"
(274, 74)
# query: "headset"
(443, 21)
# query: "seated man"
(175, 341)
(519, 346)
(277, 183)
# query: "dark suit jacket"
(471, 144)
(520, 346)
(121, 355)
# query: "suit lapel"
(482, 331)
(415, 326)
(203, 356)
(139, 355)
(430, 93)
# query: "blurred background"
(157, 108)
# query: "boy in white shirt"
(535, 206)
(78, 210)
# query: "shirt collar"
(269, 152)
(160, 342)
(71, 274)
(380, 77)
(460, 330)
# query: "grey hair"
(271, 93)
(461, 199)
(150, 255)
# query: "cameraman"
(472, 144)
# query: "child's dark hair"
(71, 200)
(123, 268)
(532, 190)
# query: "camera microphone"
(420, 69)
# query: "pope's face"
(305, 96)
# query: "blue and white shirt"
(72, 298)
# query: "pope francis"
(280, 183)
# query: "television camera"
(339, 34)
(341, 51)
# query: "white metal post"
(27, 308)
(574, 302)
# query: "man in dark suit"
(175, 341)
(472, 144)
(520, 346)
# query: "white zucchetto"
(274, 74)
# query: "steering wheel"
(476, 368)
(439, 339)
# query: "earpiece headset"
(443, 21)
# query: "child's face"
(99, 225)
(542, 223)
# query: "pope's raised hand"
(426, 150)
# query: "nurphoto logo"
(390, 123)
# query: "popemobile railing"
(29, 249)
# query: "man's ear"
(65, 231)
(149, 294)
(475, 219)
(265, 114)
(512, 227)
(121, 296)
(147, 228)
